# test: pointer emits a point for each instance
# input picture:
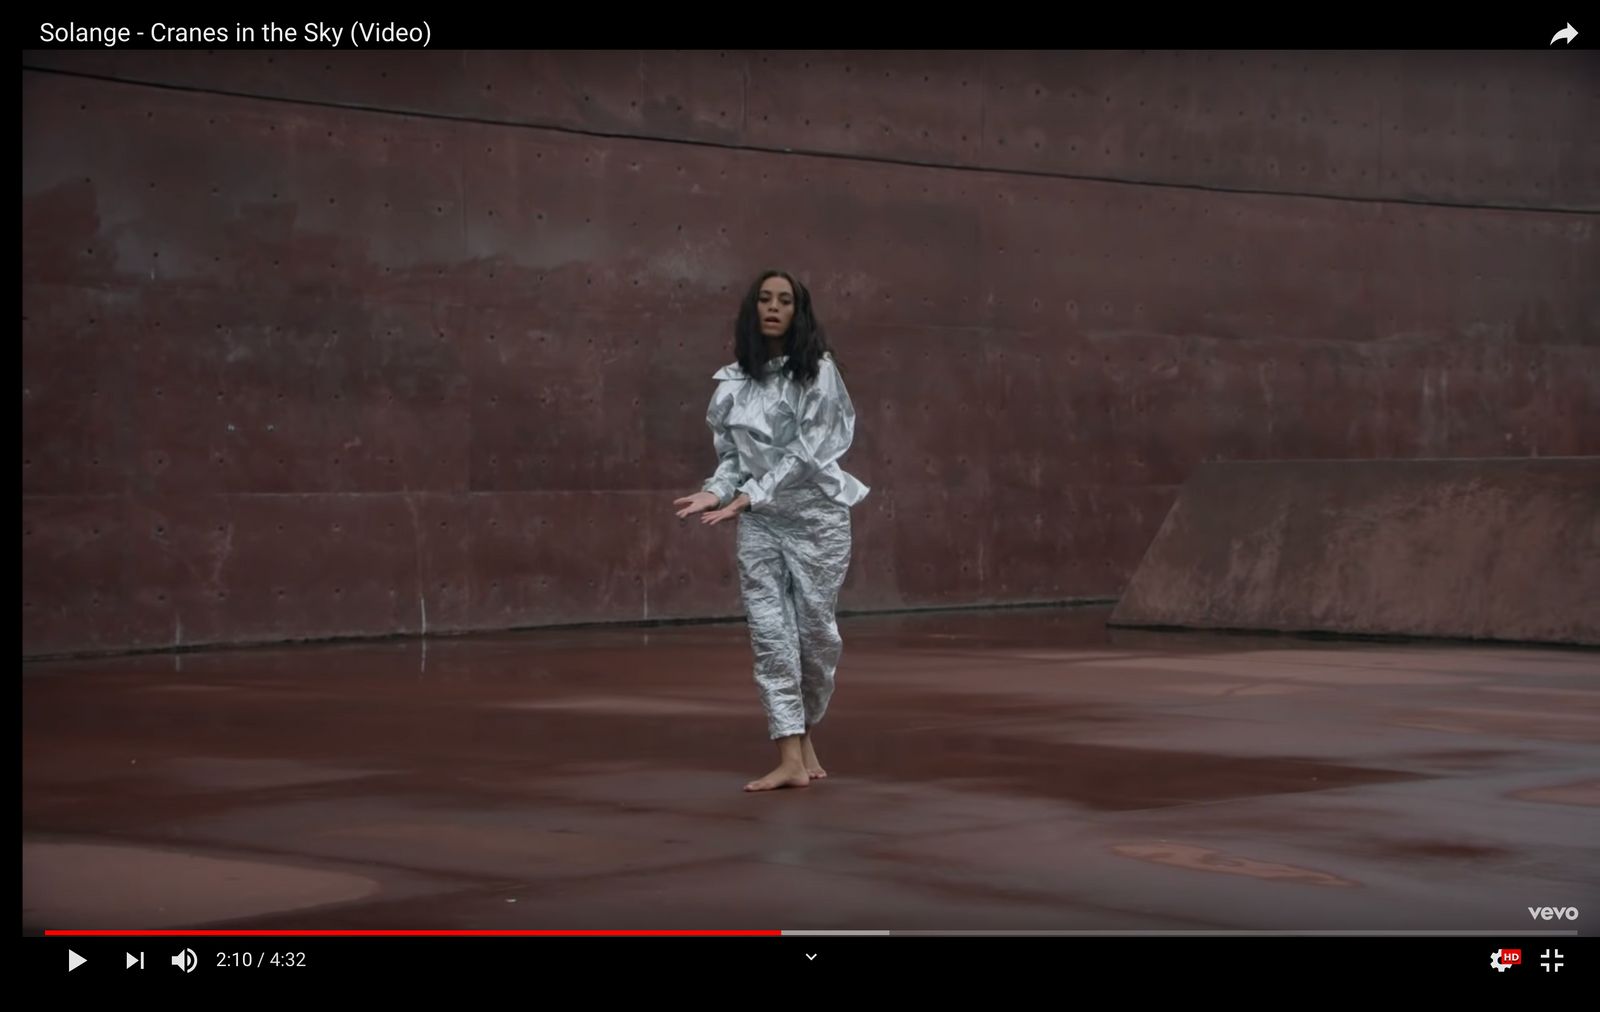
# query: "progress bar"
(1204, 934)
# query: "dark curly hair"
(805, 342)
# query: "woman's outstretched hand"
(740, 503)
(695, 503)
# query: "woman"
(781, 419)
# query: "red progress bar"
(403, 934)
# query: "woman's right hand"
(699, 502)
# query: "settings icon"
(1504, 959)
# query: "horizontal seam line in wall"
(593, 625)
(832, 155)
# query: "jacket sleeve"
(730, 472)
(826, 428)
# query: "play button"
(74, 961)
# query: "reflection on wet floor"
(1024, 769)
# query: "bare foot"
(784, 776)
(813, 768)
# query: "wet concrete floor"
(1007, 770)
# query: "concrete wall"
(1470, 549)
(340, 344)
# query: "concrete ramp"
(1495, 549)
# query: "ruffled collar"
(733, 371)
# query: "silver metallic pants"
(793, 555)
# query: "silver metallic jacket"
(778, 435)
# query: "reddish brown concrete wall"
(1477, 549)
(320, 345)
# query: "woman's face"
(776, 306)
